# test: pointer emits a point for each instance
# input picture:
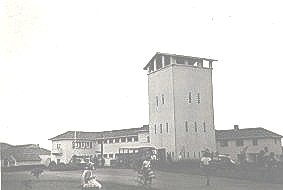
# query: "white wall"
(160, 83)
(175, 82)
(195, 80)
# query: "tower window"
(157, 101)
(196, 129)
(204, 127)
(255, 142)
(198, 98)
(186, 126)
(162, 98)
(167, 127)
(154, 129)
(190, 98)
(148, 139)
(160, 128)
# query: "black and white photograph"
(139, 95)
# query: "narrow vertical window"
(204, 127)
(157, 101)
(254, 142)
(196, 129)
(162, 98)
(198, 98)
(190, 98)
(186, 126)
(194, 154)
(154, 129)
(188, 154)
(160, 128)
(167, 127)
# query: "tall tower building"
(181, 116)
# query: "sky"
(78, 65)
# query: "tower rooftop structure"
(160, 60)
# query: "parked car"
(223, 161)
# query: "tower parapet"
(161, 60)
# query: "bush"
(52, 166)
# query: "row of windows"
(240, 142)
(89, 145)
(110, 155)
(161, 128)
(186, 127)
(190, 98)
(118, 140)
(195, 126)
(183, 155)
(82, 145)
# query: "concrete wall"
(234, 150)
(45, 159)
(174, 82)
(199, 114)
(161, 83)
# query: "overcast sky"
(78, 65)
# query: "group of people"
(88, 178)
(145, 172)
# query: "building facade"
(252, 140)
(87, 144)
(181, 115)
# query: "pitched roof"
(43, 151)
(178, 56)
(245, 134)
(4, 146)
(69, 135)
(24, 153)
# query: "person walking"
(205, 165)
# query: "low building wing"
(246, 133)
(70, 135)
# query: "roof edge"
(175, 55)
